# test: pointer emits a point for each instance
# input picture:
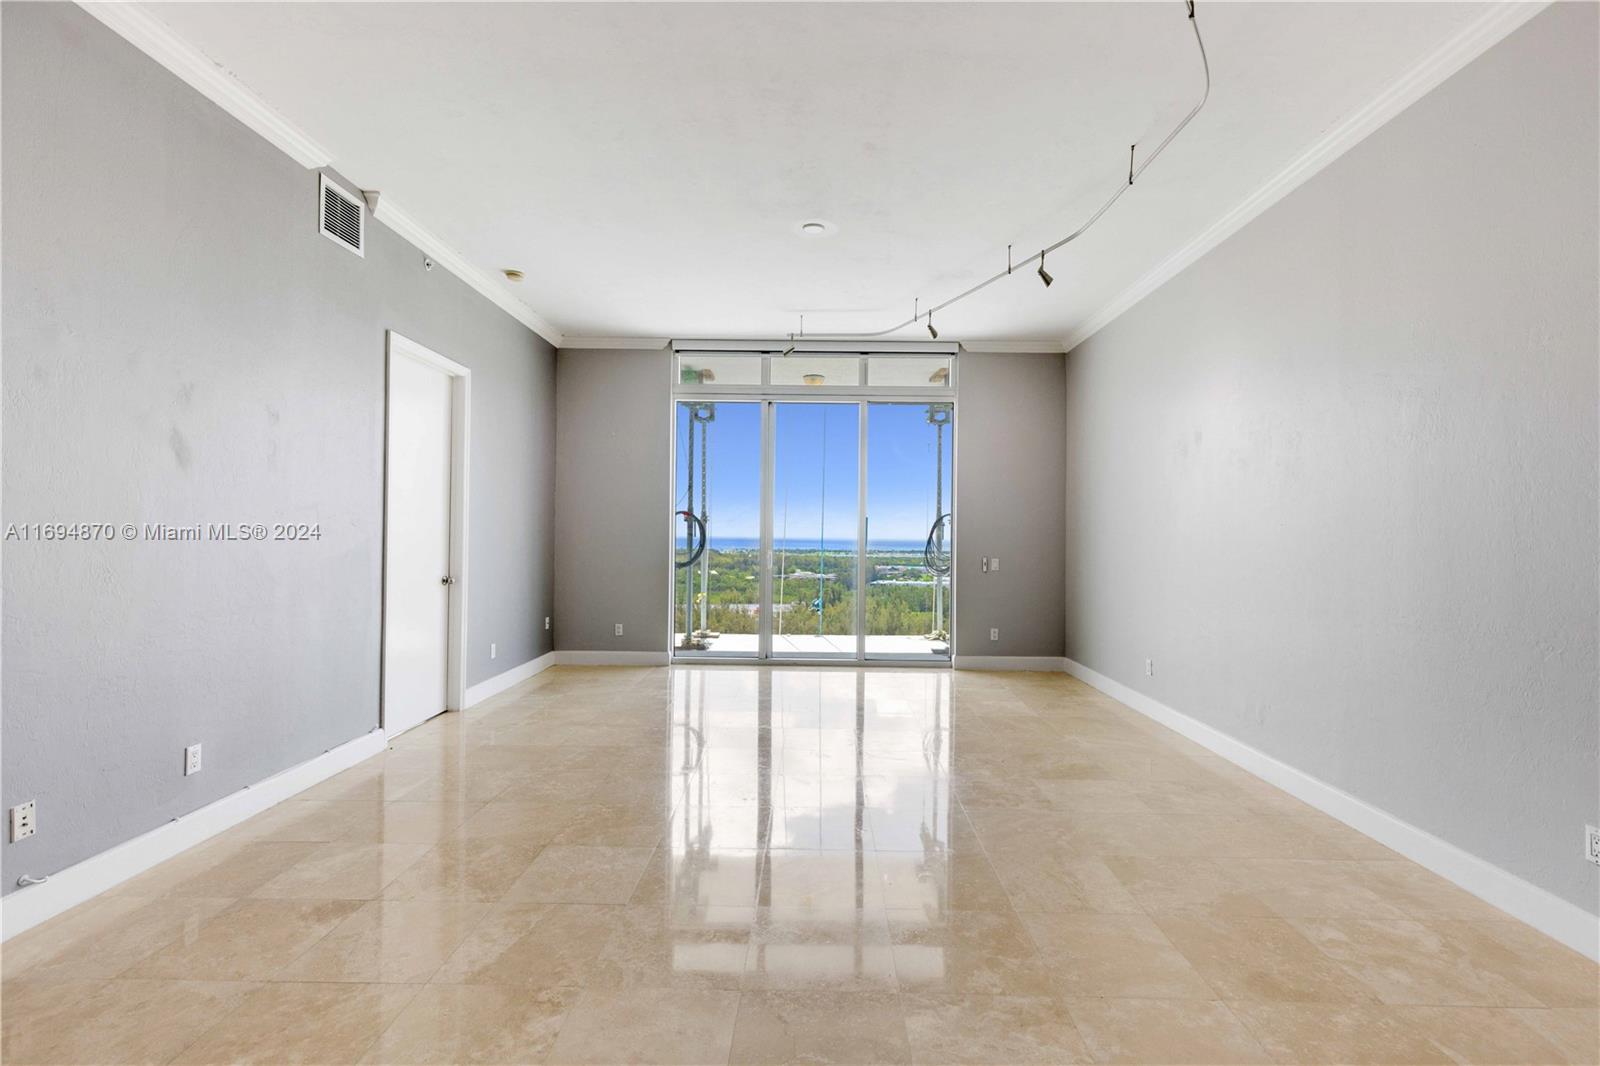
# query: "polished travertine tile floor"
(746, 865)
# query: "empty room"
(722, 533)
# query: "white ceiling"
(645, 164)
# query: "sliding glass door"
(816, 497)
(717, 571)
(910, 524)
(811, 525)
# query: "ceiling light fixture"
(1134, 170)
(815, 227)
(512, 275)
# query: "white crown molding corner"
(488, 285)
(509, 679)
(155, 39)
(1527, 902)
(1047, 663)
(1483, 33)
(27, 907)
(146, 32)
(623, 344)
(983, 347)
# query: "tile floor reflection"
(713, 865)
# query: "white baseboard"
(27, 907)
(1051, 663)
(611, 658)
(1527, 902)
(514, 676)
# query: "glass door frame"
(769, 396)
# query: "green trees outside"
(903, 607)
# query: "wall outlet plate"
(547, 621)
(1149, 668)
(24, 821)
(619, 629)
(994, 634)
(1592, 843)
(191, 760)
(493, 651)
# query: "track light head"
(931, 331)
(1044, 275)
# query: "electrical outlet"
(994, 634)
(547, 621)
(191, 760)
(994, 564)
(493, 651)
(1592, 841)
(1149, 668)
(619, 629)
(24, 821)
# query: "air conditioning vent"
(340, 217)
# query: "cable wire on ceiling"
(1134, 170)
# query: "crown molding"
(980, 347)
(155, 39)
(625, 344)
(132, 22)
(1483, 33)
(488, 285)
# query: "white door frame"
(460, 441)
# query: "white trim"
(146, 32)
(611, 658)
(1477, 37)
(488, 285)
(460, 508)
(1546, 912)
(155, 39)
(27, 907)
(624, 344)
(508, 679)
(772, 346)
(981, 347)
(1049, 663)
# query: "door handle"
(447, 581)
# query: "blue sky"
(817, 467)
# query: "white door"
(417, 582)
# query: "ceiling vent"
(340, 217)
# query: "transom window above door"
(888, 372)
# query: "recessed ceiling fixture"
(1135, 168)
(815, 227)
(512, 275)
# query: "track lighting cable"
(1134, 170)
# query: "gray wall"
(1338, 478)
(1010, 503)
(182, 346)
(613, 494)
(613, 487)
